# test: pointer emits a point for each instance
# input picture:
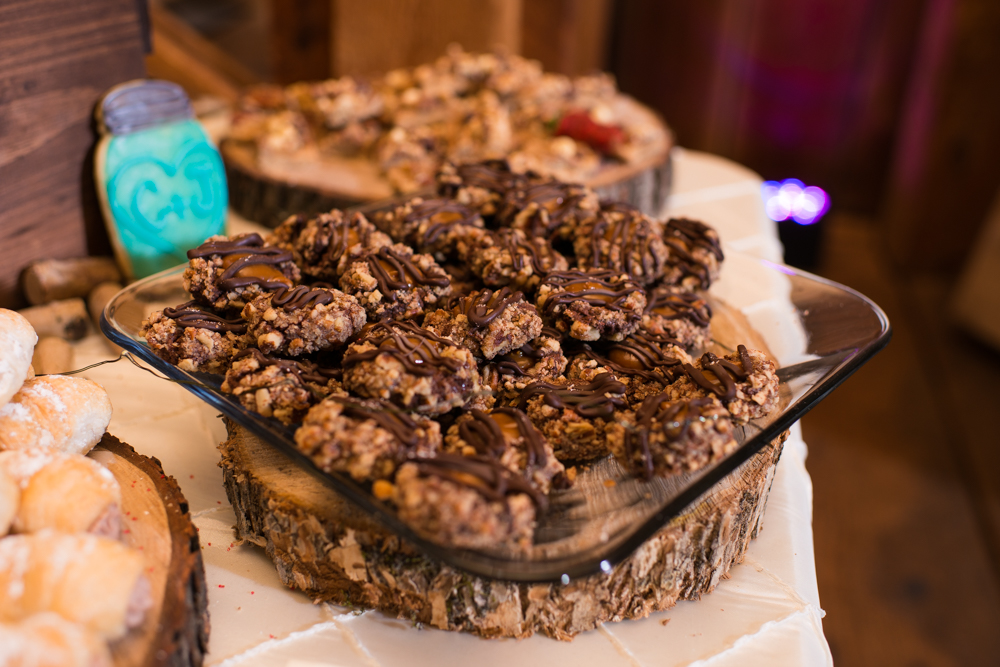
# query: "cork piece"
(67, 319)
(57, 279)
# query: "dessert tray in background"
(313, 146)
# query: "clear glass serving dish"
(820, 331)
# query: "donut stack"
(68, 585)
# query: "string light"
(792, 199)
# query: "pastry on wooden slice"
(156, 522)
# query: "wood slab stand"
(157, 522)
(332, 551)
(324, 546)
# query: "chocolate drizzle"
(483, 475)
(538, 251)
(442, 215)
(487, 436)
(639, 355)
(342, 234)
(684, 305)
(300, 297)
(587, 400)
(418, 350)
(683, 235)
(387, 416)
(600, 288)
(305, 371)
(726, 372)
(633, 235)
(674, 419)
(405, 273)
(492, 175)
(191, 315)
(250, 262)
(485, 306)
(557, 199)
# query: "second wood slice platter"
(156, 521)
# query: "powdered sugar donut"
(49, 639)
(17, 342)
(69, 493)
(55, 412)
(91, 580)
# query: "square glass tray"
(595, 524)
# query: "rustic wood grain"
(567, 36)
(56, 58)
(157, 521)
(947, 163)
(180, 54)
(811, 90)
(300, 40)
(379, 35)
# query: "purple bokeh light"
(793, 199)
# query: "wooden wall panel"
(947, 166)
(379, 35)
(811, 90)
(567, 36)
(56, 58)
(300, 39)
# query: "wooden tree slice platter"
(325, 546)
(333, 552)
(157, 522)
(270, 194)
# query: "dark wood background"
(56, 58)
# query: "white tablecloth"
(767, 613)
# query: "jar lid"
(141, 104)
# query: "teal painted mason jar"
(161, 182)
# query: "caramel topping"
(191, 315)
(719, 375)
(639, 355)
(587, 400)
(508, 425)
(441, 215)
(521, 358)
(626, 359)
(596, 287)
(516, 362)
(485, 476)
(418, 350)
(246, 261)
